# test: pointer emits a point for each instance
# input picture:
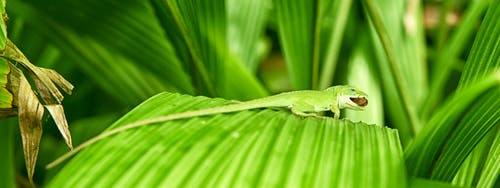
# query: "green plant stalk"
(388, 48)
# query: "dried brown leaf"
(44, 82)
(30, 109)
(57, 113)
(62, 83)
(30, 122)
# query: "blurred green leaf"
(448, 57)
(449, 136)
(400, 61)
(485, 113)
(251, 148)
(362, 75)
(204, 28)
(296, 32)
(330, 23)
(120, 37)
(245, 25)
(462, 122)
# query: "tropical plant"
(433, 91)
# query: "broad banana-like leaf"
(256, 148)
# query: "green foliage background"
(437, 88)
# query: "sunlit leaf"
(264, 148)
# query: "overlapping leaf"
(447, 58)
(401, 69)
(460, 125)
(263, 148)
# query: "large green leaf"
(264, 148)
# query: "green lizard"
(302, 103)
